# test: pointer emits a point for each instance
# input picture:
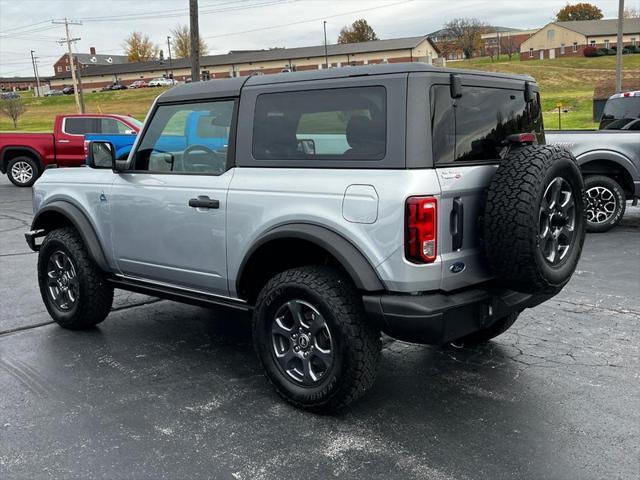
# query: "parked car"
(609, 159)
(53, 93)
(338, 204)
(68, 90)
(162, 82)
(139, 84)
(24, 156)
(9, 95)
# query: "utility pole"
(169, 50)
(326, 56)
(619, 47)
(195, 40)
(68, 40)
(35, 74)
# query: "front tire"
(606, 203)
(313, 339)
(72, 286)
(23, 171)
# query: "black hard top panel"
(231, 87)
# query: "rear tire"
(313, 338)
(23, 171)
(483, 336)
(72, 286)
(606, 203)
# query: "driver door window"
(190, 138)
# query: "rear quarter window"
(475, 126)
(329, 124)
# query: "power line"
(25, 26)
(183, 13)
(282, 25)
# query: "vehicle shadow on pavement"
(168, 367)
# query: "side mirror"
(101, 155)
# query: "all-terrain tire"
(93, 295)
(23, 171)
(483, 336)
(520, 222)
(355, 341)
(606, 203)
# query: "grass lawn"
(567, 80)
(41, 112)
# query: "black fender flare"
(11, 148)
(81, 223)
(351, 259)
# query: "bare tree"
(631, 12)
(12, 108)
(508, 45)
(466, 33)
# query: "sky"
(225, 25)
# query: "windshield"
(621, 108)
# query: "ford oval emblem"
(457, 267)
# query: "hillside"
(567, 80)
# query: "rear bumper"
(439, 318)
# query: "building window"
(562, 49)
(633, 41)
(575, 47)
(593, 43)
(531, 52)
(606, 43)
(59, 68)
(551, 34)
(67, 68)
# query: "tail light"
(421, 221)
(86, 148)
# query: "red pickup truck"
(24, 156)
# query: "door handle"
(204, 202)
(456, 224)
(63, 141)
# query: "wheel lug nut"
(294, 336)
(297, 349)
(306, 354)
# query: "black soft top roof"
(230, 87)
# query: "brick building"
(561, 39)
(87, 59)
(242, 63)
(504, 41)
(22, 83)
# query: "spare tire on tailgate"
(534, 220)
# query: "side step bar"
(178, 294)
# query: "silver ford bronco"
(334, 205)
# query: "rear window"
(80, 126)
(340, 124)
(475, 127)
(618, 112)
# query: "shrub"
(590, 51)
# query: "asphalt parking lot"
(163, 390)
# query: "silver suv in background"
(609, 159)
(333, 205)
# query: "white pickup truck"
(609, 159)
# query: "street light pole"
(326, 56)
(169, 50)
